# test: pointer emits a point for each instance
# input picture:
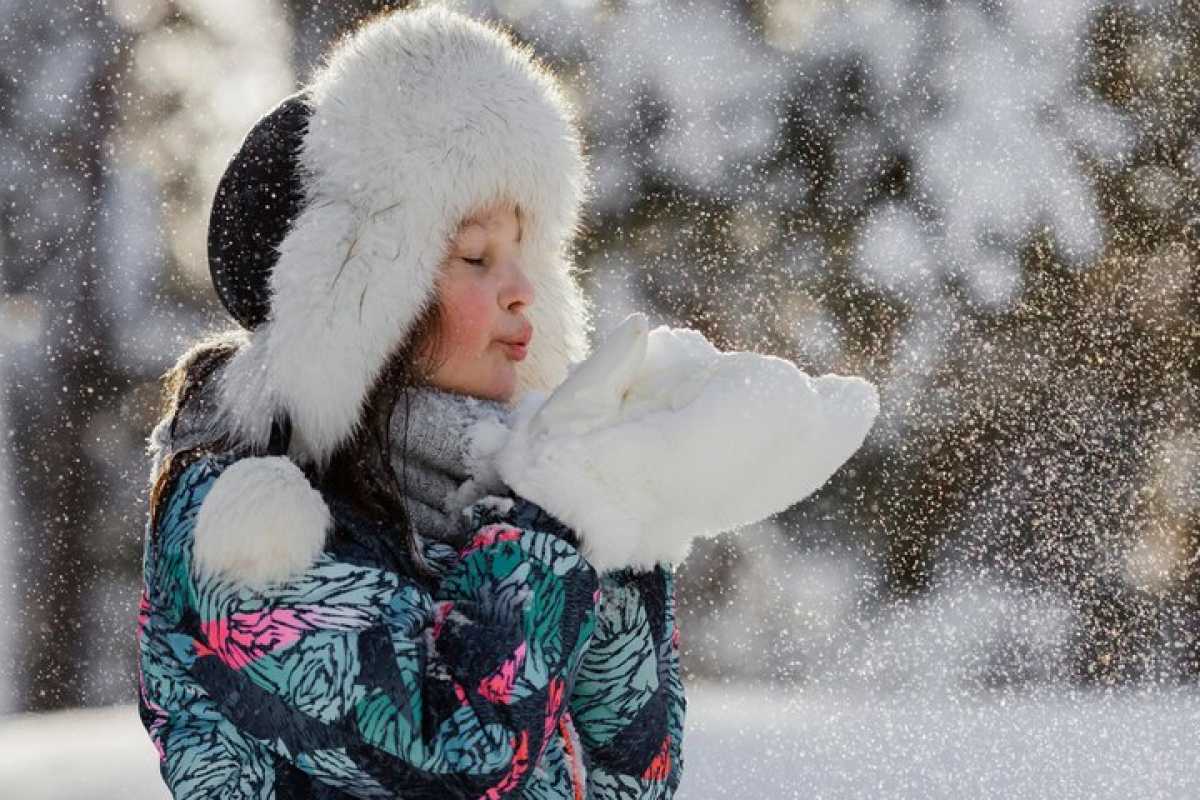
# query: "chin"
(505, 394)
(501, 390)
(506, 388)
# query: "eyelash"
(478, 262)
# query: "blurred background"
(989, 208)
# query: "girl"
(380, 561)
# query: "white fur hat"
(414, 121)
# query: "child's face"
(484, 293)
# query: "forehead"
(492, 217)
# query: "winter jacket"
(518, 672)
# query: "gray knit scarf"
(439, 443)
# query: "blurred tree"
(60, 67)
(989, 209)
(318, 23)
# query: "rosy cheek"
(467, 320)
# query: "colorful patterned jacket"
(518, 673)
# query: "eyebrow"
(474, 220)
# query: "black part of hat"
(259, 196)
(281, 436)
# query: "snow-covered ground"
(743, 743)
(927, 747)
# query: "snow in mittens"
(659, 437)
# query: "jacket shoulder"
(257, 523)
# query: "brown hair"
(361, 469)
(179, 386)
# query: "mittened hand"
(659, 437)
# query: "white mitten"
(658, 437)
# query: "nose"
(518, 289)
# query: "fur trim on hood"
(417, 119)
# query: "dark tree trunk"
(57, 109)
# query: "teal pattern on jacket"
(518, 673)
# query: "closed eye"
(476, 261)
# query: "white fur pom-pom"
(261, 522)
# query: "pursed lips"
(518, 346)
(516, 352)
